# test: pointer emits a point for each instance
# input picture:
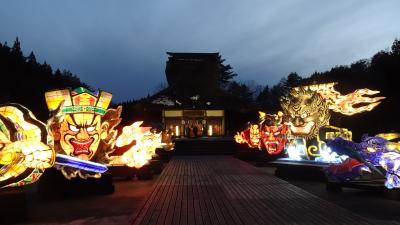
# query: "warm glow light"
(130, 133)
(389, 136)
(269, 134)
(239, 138)
(24, 152)
(135, 157)
(144, 148)
(78, 100)
(345, 104)
(177, 131)
(210, 130)
(83, 127)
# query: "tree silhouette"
(242, 94)
(31, 59)
(264, 100)
(378, 73)
(226, 73)
(396, 47)
(25, 80)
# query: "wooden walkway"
(223, 190)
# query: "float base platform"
(143, 173)
(372, 185)
(13, 207)
(53, 184)
(299, 168)
(368, 181)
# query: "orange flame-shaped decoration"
(144, 148)
(347, 104)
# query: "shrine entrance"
(194, 123)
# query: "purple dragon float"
(366, 156)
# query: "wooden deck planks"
(223, 190)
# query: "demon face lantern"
(254, 135)
(307, 112)
(82, 126)
(251, 136)
(273, 133)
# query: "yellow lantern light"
(146, 143)
(83, 128)
(177, 131)
(346, 104)
(24, 152)
(210, 130)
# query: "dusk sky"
(120, 46)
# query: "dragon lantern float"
(365, 157)
(77, 139)
(307, 111)
(303, 127)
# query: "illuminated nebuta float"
(24, 149)
(303, 126)
(270, 134)
(145, 142)
(381, 151)
(77, 139)
(82, 128)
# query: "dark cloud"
(120, 46)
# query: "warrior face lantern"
(80, 134)
(82, 126)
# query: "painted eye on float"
(90, 129)
(73, 128)
(304, 115)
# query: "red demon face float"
(270, 134)
(274, 138)
(273, 133)
(251, 136)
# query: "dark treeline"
(24, 80)
(246, 100)
(377, 73)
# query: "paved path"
(224, 190)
